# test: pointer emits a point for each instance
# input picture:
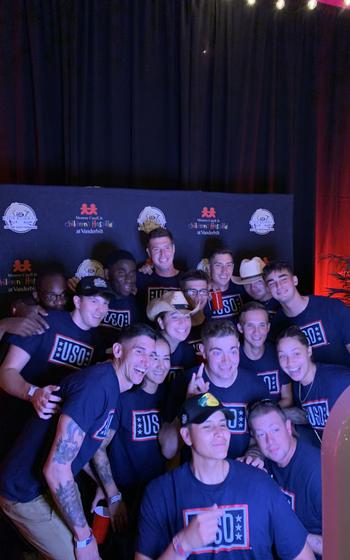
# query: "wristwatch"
(31, 391)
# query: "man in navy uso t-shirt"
(233, 296)
(259, 355)
(164, 276)
(294, 464)
(213, 507)
(120, 272)
(34, 366)
(324, 321)
(236, 387)
(52, 452)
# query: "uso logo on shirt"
(145, 424)
(239, 423)
(116, 319)
(156, 292)
(317, 413)
(231, 305)
(233, 529)
(101, 433)
(271, 380)
(315, 333)
(71, 353)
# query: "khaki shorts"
(40, 525)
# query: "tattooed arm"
(102, 466)
(58, 473)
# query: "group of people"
(182, 394)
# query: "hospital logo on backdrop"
(22, 266)
(88, 221)
(89, 267)
(20, 278)
(208, 223)
(262, 222)
(88, 209)
(19, 218)
(151, 218)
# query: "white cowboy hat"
(173, 300)
(249, 271)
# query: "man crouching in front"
(214, 507)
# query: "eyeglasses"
(52, 297)
(192, 292)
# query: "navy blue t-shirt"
(181, 359)
(59, 350)
(194, 338)
(246, 388)
(268, 369)
(153, 286)
(122, 312)
(134, 452)
(256, 516)
(326, 324)
(90, 398)
(301, 482)
(232, 300)
(319, 397)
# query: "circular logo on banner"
(19, 218)
(151, 218)
(89, 267)
(262, 222)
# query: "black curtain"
(189, 94)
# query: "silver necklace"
(308, 392)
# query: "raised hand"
(197, 385)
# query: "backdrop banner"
(79, 226)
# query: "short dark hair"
(276, 266)
(117, 256)
(137, 329)
(263, 407)
(253, 306)
(293, 332)
(161, 338)
(218, 328)
(49, 272)
(160, 232)
(193, 274)
(221, 251)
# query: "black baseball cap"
(93, 285)
(196, 410)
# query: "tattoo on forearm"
(103, 468)
(69, 444)
(68, 498)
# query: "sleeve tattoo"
(68, 497)
(68, 444)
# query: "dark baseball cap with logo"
(92, 286)
(196, 410)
